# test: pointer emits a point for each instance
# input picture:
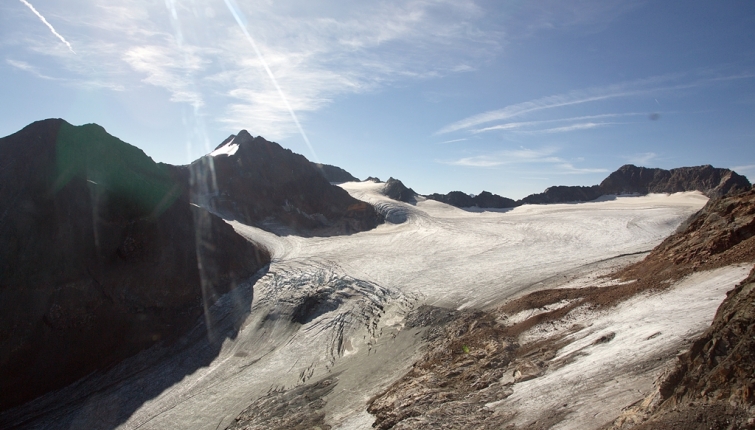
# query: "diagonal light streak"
(44, 21)
(239, 19)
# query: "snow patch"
(229, 149)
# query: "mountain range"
(628, 179)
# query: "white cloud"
(516, 156)
(514, 126)
(642, 158)
(652, 85)
(570, 169)
(546, 157)
(573, 127)
(22, 65)
(197, 53)
(745, 168)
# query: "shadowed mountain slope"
(334, 174)
(483, 200)
(260, 183)
(628, 179)
(101, 255)
(396, 190)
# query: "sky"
(504, 96)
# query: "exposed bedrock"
(628, 179)
(334, 174)
(396, 190)
(101, 255)
(259, 183)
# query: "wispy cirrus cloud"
(655, 84)
(455, 140)
(544, 103)
(516, 156)
(546, 157)
(26, 67)
(744, 168)
(642, 158)
(573, 127)
(532, 126)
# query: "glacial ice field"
(335, 305)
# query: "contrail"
(48, 25)
(237, 15)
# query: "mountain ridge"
(628, 179)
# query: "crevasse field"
(335, 305)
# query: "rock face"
(563, 194)
(711, 181)
(396, 190)
(334, 174)
(101, 256)
(259, 183)
(483, 200)
(628, 179)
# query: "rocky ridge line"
(628, 179)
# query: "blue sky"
(504, 96)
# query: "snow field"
(597, 379)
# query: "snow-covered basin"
(440, 255)
(463, 258)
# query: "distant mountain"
(260, 183)
(563, 194)
(101, 255)
(396, 190)
(483, 200)
(711, 181)
(628, 179)
(334, 174)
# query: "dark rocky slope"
(483, 200)
(711, 181)
(628, 179)
(563, 194)
(260, 183)
(334, 174)
(396, 190)
(101, 256)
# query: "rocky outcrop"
(334, 174)
(260, 183)
(711, 181)
(563, 194)
(628, 179)
(483, 200)
(101, 256)
(396, 190)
